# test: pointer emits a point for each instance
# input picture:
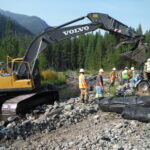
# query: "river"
(69, 91)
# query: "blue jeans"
(99, 91)
(125, 81)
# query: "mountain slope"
(32, 23)
(14, 26)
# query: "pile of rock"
(91, 129)
(46, 118)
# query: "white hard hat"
(113, 68)
(81, 70)
(126, 68)
(148, 59)
(146, 63)
(101, 70)
(132, 68)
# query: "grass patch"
(113, 91)
(53, 77)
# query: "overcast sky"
(56, 12)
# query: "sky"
(57, 12)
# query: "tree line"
(90, 51)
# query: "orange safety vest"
(130, 74)
(113, 76)
(82, 82)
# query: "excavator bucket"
(137, 54)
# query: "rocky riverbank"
(72, 125)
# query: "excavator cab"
(11, 81)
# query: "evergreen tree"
(89, 62)
(9, 44)
(99, 52)
(139, 29)
(74, 53)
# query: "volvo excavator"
(21, 77)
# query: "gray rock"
(92, 110)
(68, 107)
(71, 143)
(26, 122)
(19, 137)
(117, 147)
(2, 123)
(12, 118)
(96, 117)
(118, 126)
(56, 105)
(96, 107)
(50, 107)
(57, 111)
(57, 148)
(82, 148)
(41, 119)
(36, 111)
(11, 125)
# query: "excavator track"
(21, 104)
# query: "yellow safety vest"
(82, 82)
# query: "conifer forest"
(90, 51)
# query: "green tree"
(9, 44)
(139, 29)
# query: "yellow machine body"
(9, 81)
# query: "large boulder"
(137, 113)
(117, 104)
(143, 101)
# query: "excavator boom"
(64, 31)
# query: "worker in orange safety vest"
(148, 69)
(83, 87)
(112, 77)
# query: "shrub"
(50, 76)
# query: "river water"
(69, 92)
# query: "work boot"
(82, 101)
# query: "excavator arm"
(98, 21)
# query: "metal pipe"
(65, 24)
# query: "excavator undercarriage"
(23, 102)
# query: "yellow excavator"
(21, 75)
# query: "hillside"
(17, 28)
(28, 22)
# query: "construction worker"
(83, 87)
(125, 75)
(145, 71)
(132, 77)
(131, 73)
(112, 77)
(99, 84)
(148, 69)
